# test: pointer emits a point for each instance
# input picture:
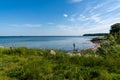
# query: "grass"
(38, 64)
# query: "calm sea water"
(52, 42)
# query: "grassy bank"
(38, 64)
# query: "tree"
(115, 31)
(115, 28)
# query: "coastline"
(97, 43)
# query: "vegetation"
(115, 28)
(96, 34)
(98, 39)
(38, 64)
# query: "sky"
(57, 17)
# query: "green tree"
(115, 31)
(115, 28)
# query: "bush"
(16, 73)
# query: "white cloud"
(65, 15)
(113, 8)
(31, 25)
(83, 18)
(76, 17)
(75, 1)
(79, 30)
(25, 25)
(69, 30)
(99, 6)
(95, 17)
(71, 19)
(95, 23)
(110, 20)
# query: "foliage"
(96, 34)
(115, 28)
(38, 64)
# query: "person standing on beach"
(73, 46)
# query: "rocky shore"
(97, 43)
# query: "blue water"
(49, 42)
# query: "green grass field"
(38, 64)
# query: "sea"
(48, 42)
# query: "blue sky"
(57, 17)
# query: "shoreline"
(96, 41)
(93, 48)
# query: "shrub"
(16, 73)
